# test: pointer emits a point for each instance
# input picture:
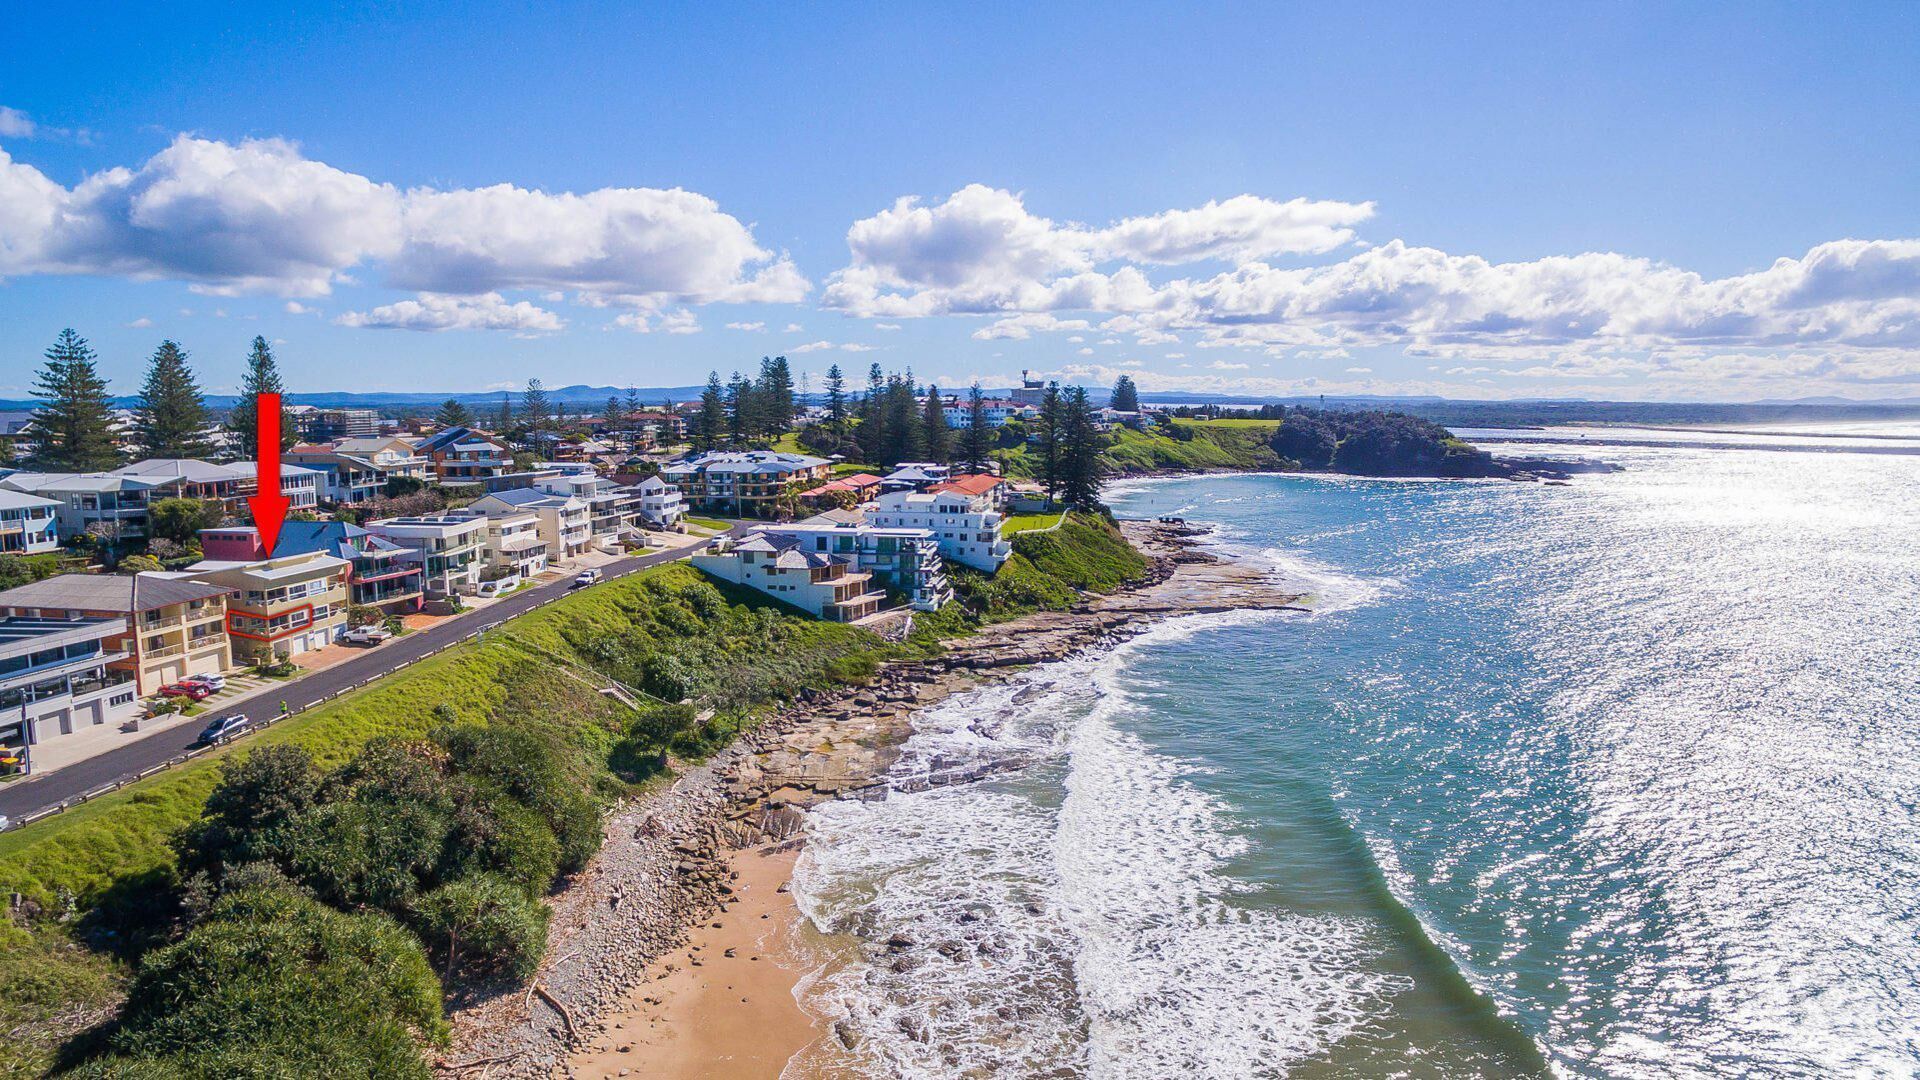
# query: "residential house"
(996, 411)
(610, 508)
(380, 574)
(862, 486)
(450, 549)
(326, 425)
(29, 524)
(57, 676)
(514, 545)
(229, 484)
(113, 504)
(173, 628)
(464, 455)
(278, 606)
(825, 585)
(966, 526)
(906, 560)
(565, 522)
(659, 503)
(750, 483)
(356, 470)
(914, 476)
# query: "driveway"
(34, 794)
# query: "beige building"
(174, 628)
(280, 606)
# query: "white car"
(215, 683)
(587, 577)
(366, 635)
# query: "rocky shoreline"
(664, 866)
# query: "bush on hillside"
(482, 925)
(274, 984)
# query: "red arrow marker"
(270, 505)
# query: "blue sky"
(1493, 201)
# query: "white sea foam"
(1074, 918)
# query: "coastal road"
(31, 795)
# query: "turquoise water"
(1612, 779)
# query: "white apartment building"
(450, 549)
(905, 560)
(660, 504)
(967, 527)
(565, 523)
(55, 678)
(514, 544)
(826, 586)
(29, 524)
(996, 410)
(609, 507)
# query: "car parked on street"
(366, 635)
(587, 577)
(226, 727)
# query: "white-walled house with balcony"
(514, 545)
(966, 526)
(660, 504)
(610, 508)
(56, 678)
(450, 549)
(565, 522)
(906, 561)
(826, 586)
(29, 524)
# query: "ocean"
(1617, 778)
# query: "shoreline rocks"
(663, 870)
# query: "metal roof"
(108, 592)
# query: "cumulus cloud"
(681, 321)
(259, 216)
(748, 327)
(1022, 327)
(15, 124)
(823, 346)
(981, 252)
(435, 312)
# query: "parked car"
(366, 635)
(587, 577)
(192, 691)
(214, 683)
(227, 727)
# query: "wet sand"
(701, 1013)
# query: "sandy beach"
(723, 1005)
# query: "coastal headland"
(670, 939)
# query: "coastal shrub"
(1085, 552)
(246, 815)
(532, 767)
(482, 925)
(1017, 588)
(495, 833)
(274, 984)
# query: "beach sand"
(730, 1016)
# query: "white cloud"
(1222, 365)
(261, 217)
(15, 124)
(982, 252)
(749, 327)
(434, 312)
(886, 326)
(1084, 351)
(141, 323)
(680, 321)
(823, 346)
(1359, 371)
(1022, 327)
(793, 328)
(295, 307)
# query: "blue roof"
(336, 538)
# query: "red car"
(193, 691)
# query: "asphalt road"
(31, 795)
